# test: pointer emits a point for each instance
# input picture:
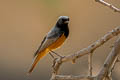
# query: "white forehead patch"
(65, 17)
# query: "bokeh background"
(24, 23)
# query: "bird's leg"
(56, 54)
(51, 55)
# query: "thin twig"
(90, 64)
(108, 5)
(112, 66)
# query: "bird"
(53, 40)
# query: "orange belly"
(57, 43)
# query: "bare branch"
(109, 61)
(93, 46)
(70, 77)
(87, 50)
(108, 5)
(112, 66)
(90, 64)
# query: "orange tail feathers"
(35, 61)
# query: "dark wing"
(51, 37)
(39, 46)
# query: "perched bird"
(54, 39)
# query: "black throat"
(64, 28)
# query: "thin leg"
(51, 55)
(56, 54)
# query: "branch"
(58, 62)
(87, 50)
(112, 66)
(108, 5)
(109, 61)
(70, 77)
(90, 64)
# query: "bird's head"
(63, 20)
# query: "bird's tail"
(36, 59)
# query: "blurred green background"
(24, 23)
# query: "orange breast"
(57, 43)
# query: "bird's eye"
(63, 20)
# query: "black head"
(63, 20)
